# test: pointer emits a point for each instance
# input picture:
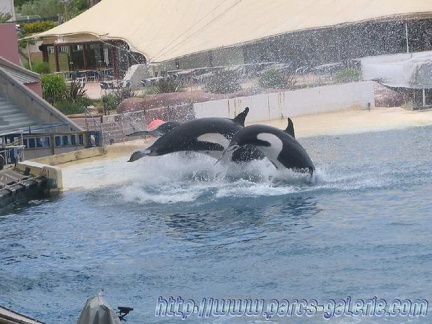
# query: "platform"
(13, 185)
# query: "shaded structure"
(186, 34)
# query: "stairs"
(12, 118)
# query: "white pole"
(424, 97)
(406, 36)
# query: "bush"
(76, 92)
(224, 81)
(69, 107)
(167, 86)
(53, 87)
(41, 67)
(110, 102)
(347, 75)
(37, 27)
(277, 79)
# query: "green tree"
(51, 8)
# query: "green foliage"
(26, 65)
(43, 8)
(224, 81)
(51, 8)
(19, 3)
(277, 79)
(347, 75)
(76, 92)
(68, 98)
(36, 27)
(110, 102)
(4, 17)
(41, 67)
(69, 107)
(53, 87)
(167, 86)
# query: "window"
(65, 140)
(73, 139)
(46, 142)
(81, 139)
(57, 141)
(39, 142)
(32, 143)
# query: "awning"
(162, 30)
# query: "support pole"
(406, 37)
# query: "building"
(182, 34)
(26, 120)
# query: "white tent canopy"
(162, 30)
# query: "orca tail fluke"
(138, 155)
(240, 118)
(290, 128)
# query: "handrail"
(96, 123)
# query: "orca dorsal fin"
(240, 118)
(290, 128)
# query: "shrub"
(76, 92)
(347, 75)
(69, 107)
(110, 102)
(277, 79)
(224, 81)
(53, 87)
(41, 67)
(37, 27)
(167, 86)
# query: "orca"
(204, 135)
(279, 146)
(158, 131)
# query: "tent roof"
(162, 30)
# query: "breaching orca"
(158, 131)
(279, 146)
(205, 135)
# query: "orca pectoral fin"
(290, 128)
(240, 118)
(138, 155)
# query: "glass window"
(39, 142)
(57, 141)
(65, 140)
(81, 139)
(32, 142)
(73, 139)
(46, 142)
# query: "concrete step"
(20, 124)
(15, 118)
(8, 108)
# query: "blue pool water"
(184, 227)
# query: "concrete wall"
(292, 103)
(53, 174)
(9, 43)
(70, 156)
